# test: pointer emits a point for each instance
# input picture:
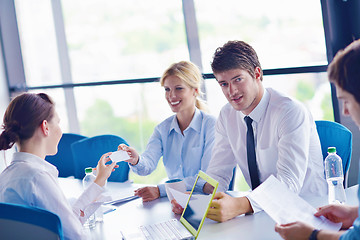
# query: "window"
(38, 42)
(111, 40)
(278, 30)
(119, 40)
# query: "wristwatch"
(314, 234)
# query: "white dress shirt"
(30, 180)
(286, 143)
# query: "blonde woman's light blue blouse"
(183, 154)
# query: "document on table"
(122, 196)
(284, 206)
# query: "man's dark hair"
(233, 55)
(344, 70)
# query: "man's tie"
(251, 156)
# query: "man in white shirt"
(281, 135)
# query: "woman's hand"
(104, 171)
(148, 193)
(134, 156)
(176, 208)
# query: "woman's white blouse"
(32, 181)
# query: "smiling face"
(241, 90)
(350, 106)
(179, 95)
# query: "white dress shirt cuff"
(87, 197)
(256, 207)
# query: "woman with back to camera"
(31, 122)
(184, 140)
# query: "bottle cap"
(331, 149)
(88, 170)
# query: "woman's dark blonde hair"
(24, 114)
(190, 74)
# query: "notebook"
(191, 220)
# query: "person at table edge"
(344, 72)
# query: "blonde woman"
(184, 140)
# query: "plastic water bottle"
(87, 180)
(99, 215)
(335, 177)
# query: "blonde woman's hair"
(190, 74)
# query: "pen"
(109, 210)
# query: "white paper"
(108, 208)
(284, 206)
(181, 198)
(178, 186)
(119, 156)
(122, 196)
(121, 200)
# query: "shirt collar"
(194, 124)
(35, 161)
(260, 109)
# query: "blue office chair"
(333, 134)
(63, 160)
(25, 222)
(88, 151)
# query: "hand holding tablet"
(119, 156)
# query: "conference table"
(133, 213)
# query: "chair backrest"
(64, 160)
(87, 153)
(25, 222)
(333, 134)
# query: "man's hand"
(294, 231)
(302, 231)
(208, 188)
(225, 207)
(339, 213)
(148, 193)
